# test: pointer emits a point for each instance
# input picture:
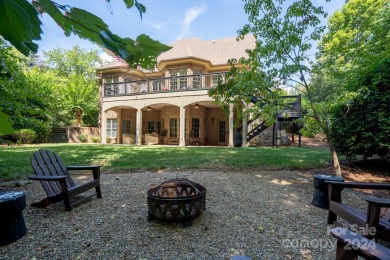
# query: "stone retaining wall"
(74, 133)
(265, 138)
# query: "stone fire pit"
(176, 200)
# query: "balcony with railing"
(167, 84)
(289, 107)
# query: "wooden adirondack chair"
(369, 220)
(56, 181)
(351, 245)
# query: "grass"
(14, 160)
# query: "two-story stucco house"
(170, 105)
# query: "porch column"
(182, 141)
(231, 123)
(244, 133)
(103, 125)
(139, 127)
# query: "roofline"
(162, 64)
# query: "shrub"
(41, 128)
(83, 138)
(363, 128)
(25, 136)
(96, 139)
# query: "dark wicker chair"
(369, 220)
(56, 181)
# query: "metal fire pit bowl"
(176, 200)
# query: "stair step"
(58, 135)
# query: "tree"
(284, 40)
(355, 56)
(23, 98)
(20, 24)
(363, 126)
(23, 27)
(356, 43)
(75, 84)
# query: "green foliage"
(25, 136)
(284, 38)
(83, 138)
(310, 127)
(24, 26)
(5, 126)
(353, 56)
(23, 95)
(74, 84)
(357, 41)
(42, 129)
(363, 127)
(95, 139)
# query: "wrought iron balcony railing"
(155, 85)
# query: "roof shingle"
(217, 51)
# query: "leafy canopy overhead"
(358, 39)
(23, 27)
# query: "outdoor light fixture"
(196, 105)
(148, 108)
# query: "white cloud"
(190, 17)
(157, 26)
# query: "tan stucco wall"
(141, 101)
(214, 115)
(129, 114)
(208, 118)
(166, 105)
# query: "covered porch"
(183, 122)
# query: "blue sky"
(165, 21)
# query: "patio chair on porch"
(373, 219)
(56, 181)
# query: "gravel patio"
(260, 214)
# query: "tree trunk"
(79, 115)
(325, 130)
(335, 158)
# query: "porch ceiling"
(161, 105)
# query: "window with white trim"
(158, 84)
(111, 88)
(196, 79)
(173, 123)
(112, 128)
(179, 79)
(215, 79)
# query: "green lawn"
(14, 161)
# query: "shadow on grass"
(122, 158)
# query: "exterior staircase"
(290, 110)
(58, 135)
(256, 131)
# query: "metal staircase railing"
(290, 106)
